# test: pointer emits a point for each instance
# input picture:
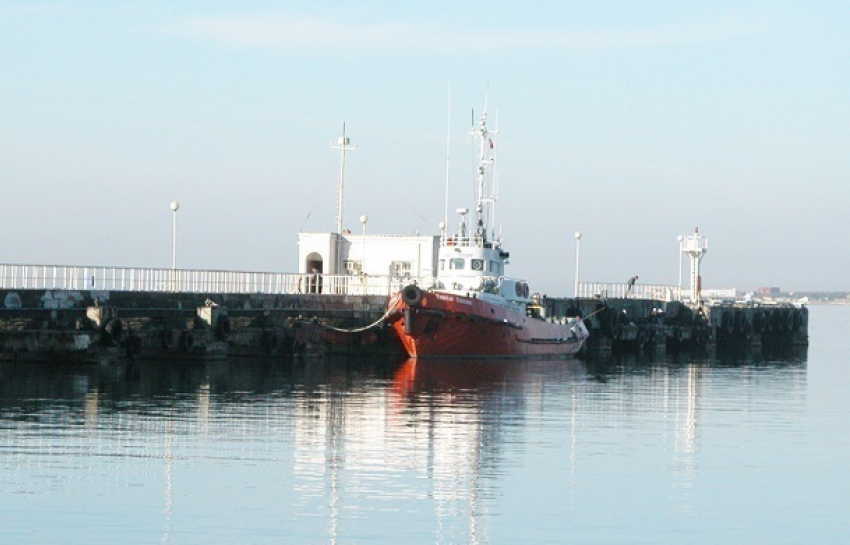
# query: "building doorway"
(315, 267)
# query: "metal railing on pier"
(76, 278)
(638, 291)
(657, 292)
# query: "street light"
(680, 238)
(363, 219)
(578, 249)
(175, 206)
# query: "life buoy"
(412, 295)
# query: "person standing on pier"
(630, 284)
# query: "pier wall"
(100, 326)
(96, 325)
(655, 326)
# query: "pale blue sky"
(631, 121)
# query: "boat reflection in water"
(342, 447)
(480, 378)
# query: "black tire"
(187, 341)
(114, 327)
(271, 342)
(222, 328)
(412, 295)
(166, 338)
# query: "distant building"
(412, 256)
(768, 291)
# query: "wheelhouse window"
(477, 264)
(457, 263)
(496, 268)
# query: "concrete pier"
(94, 326)
(657, 327)
(80, 326)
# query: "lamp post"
(175, 206)
(363, 219)
(679, 294)
(343, 144)
(578, 249)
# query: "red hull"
(445, 325)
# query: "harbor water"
(675, 449)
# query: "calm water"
(674, 450)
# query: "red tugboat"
(473, 310)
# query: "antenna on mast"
(448, 153)
(484, 188)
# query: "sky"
(633, 122)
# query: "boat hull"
(446, 325)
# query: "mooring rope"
(358, 329)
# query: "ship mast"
(485, 161)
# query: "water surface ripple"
(745, 448)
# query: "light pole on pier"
(363, 219)
(578, 249)
(175, 206)
(681, 239)
(343, 144)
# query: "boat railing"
(105, 278)
(455, 240)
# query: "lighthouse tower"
(695, 246)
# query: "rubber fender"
(411, 295)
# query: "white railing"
(74, 278)
(725, 295)
(655, 292)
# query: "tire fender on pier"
(271, 342)
(412, 295)
(187, 341)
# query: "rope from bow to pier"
(376, 323)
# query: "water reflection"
(346, 443)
